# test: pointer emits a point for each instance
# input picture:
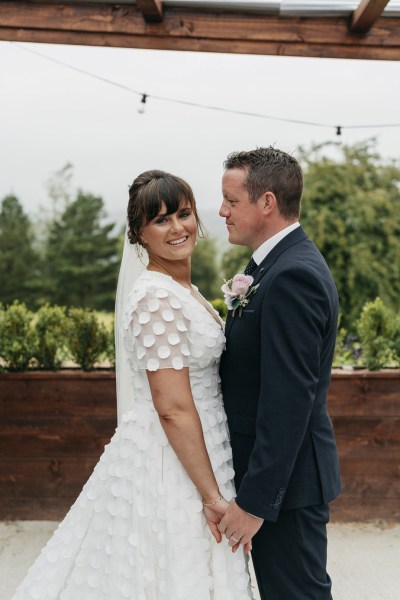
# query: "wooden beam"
(151, 10)
(203, 31)
(366, 14)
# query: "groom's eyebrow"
(229, 195)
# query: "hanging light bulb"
(142, 105)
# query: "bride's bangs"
(172, 194)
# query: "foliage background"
(351, 209)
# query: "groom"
(275, 376)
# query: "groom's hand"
(238, 526)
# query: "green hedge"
(377, 343)
(18, 339)
(50, 337)
(54, 335)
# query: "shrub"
(107, 319)
(347, 349)
(51, 327)
(17, 337)
(396, 337)
(375, 328)
(86, 337)
(111, 345)
(220, 307)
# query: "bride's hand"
(213, 516)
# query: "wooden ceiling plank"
(236, 28)
(152, 10)
(366, 14)
(197, 30)
(157, 43)
(199, 45)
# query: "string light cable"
(145, 96)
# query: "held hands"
(214, 515)
(238, 526)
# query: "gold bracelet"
(213, 501)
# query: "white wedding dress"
(137, 531)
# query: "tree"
(234, 260)
(19, 263)
(205, 272)
(351, 207)
(82, 256)
(59, 189)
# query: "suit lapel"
(294, 237)
(229, 321)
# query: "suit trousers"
(289, 556)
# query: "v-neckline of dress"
(214, 316)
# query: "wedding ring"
(234, 539)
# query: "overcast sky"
(51, 115)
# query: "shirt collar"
(266, 247)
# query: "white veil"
(132, 265)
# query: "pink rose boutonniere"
(238, 291)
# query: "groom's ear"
(269, 202)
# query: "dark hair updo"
(147, 194)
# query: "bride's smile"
(179, 241)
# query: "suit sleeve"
(294, 315)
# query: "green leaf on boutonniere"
(242, 301)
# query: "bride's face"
(171, 237)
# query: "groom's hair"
(270, 169)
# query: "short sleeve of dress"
(157, 332)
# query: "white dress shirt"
(266, 247)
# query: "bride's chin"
(183, 252)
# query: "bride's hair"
(146, 195)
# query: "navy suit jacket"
(275, 375)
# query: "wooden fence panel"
(53, 428)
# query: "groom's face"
(244, 219)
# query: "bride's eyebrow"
(166, 214)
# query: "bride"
(145, 524)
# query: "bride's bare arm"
(173, 401)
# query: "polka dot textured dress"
(137, 531)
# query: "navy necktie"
(252, 266)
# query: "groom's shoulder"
(300, 254)
(300, 266)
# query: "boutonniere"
(238, 291)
